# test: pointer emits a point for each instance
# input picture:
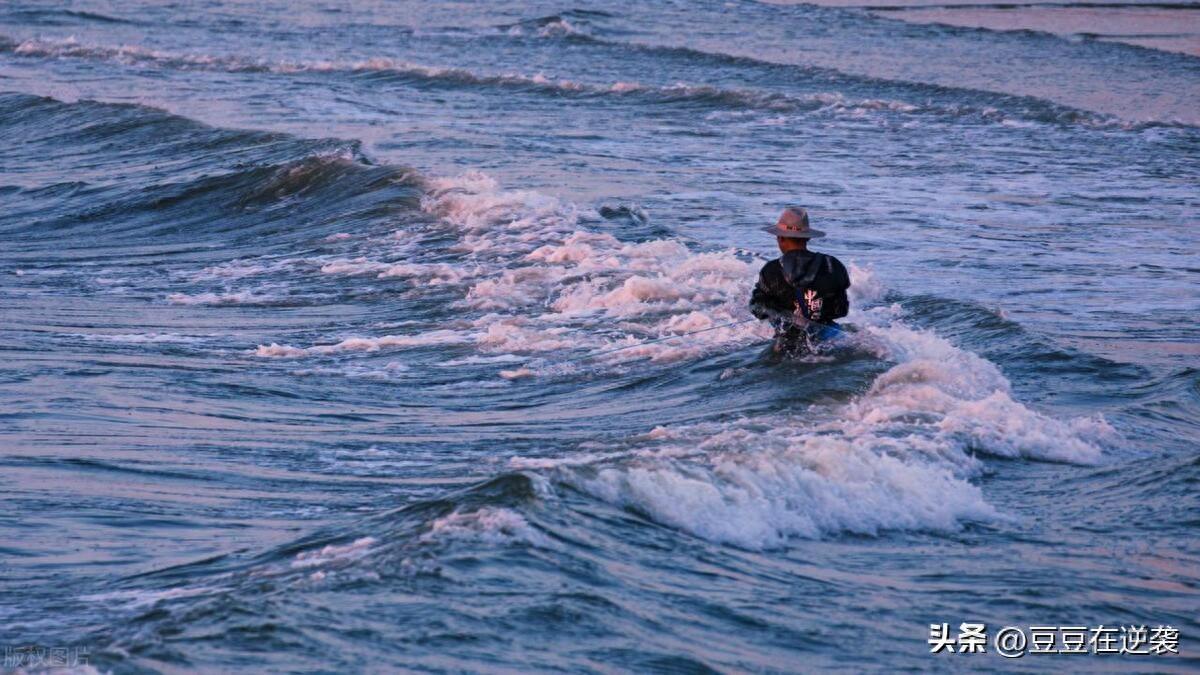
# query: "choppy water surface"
(308, 319)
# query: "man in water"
(801, 292)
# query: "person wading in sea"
(802, 292)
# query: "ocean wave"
(219, 202)
(490, 525)
(1110, 41)
(959, 102)
(402, 542)
(395, 546)
(902, 456)
(569, 24)
(61, 17)
(965, 104)
(678, 93)
(905, 97)
(219, 181)
(556, 26)
(531, 277)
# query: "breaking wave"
(902, 456)
(984, 107)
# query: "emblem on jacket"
(809, 305)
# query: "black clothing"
(810, 284)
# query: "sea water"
(333, 337)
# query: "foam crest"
(510, 335)
(866, 289)
(491, 525)
(363, 344)
(431, 274)
(334, 554)
(757, 488)
(142, 338)
(544, 282)
(241, 269)
(970, 403)
(230, 298)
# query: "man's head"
(792, 231)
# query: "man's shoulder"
(771, 269)
(834, 259)
(838, 270)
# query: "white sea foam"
(240, 269)
(559, 286)
(430, 274)
(230, 298)
(493, 525)
(516, 373)
(141, 338)
(363, 344)
(334, 554)
(392, 370)
(762, 492)
(136, 599)
(281, 351)
(556, 28)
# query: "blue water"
(308, 319)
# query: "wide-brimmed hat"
(793, 223)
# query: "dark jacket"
(813, 284)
